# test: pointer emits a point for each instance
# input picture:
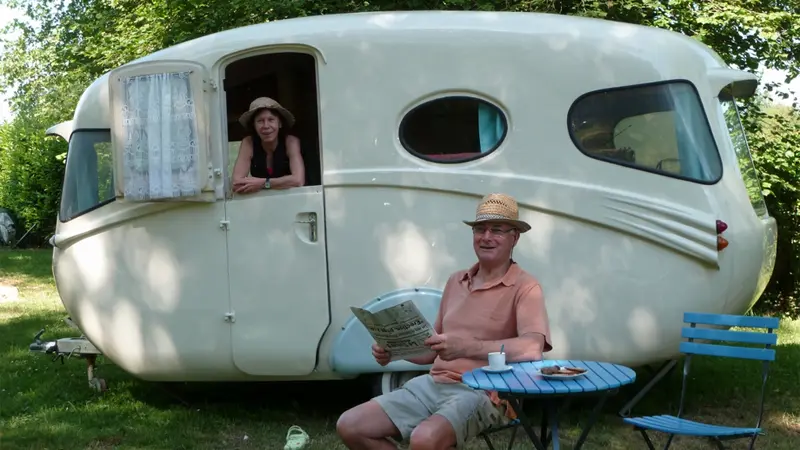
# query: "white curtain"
(160, 148)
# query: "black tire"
(385, 382)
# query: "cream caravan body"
(620, 142)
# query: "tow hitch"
(71, 347)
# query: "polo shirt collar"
(509, 279)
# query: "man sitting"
(492, 304)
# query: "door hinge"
(224, 224)
(230, 317)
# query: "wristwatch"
(266, 184)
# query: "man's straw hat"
(268, 103)
(499, 208)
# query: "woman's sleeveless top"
(280, 160)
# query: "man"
(494, 303)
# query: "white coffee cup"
(497, 360)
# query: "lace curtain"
(160, 146)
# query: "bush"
(774, 137)
(31, 171)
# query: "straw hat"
(266, 103)
(499, 208)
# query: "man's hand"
(381, 355)
(248, 185)
(451, 347)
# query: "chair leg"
(647, 439)
(488, 442)
(753, 441)
(669, 441)
(513, 436)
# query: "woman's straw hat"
(268, 103)
(499, 208)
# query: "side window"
(659, 128)
(730, 113)
(453, 129)
(159, 124)
(89, 175)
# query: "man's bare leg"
(366, 427)
(434, 433)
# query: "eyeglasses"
(494, 231)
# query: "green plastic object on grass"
(296, 438)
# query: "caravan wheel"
(390, 381)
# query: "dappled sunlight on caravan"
(96, 265)
(411, 255)
(645, 328)
(130, 330)
(538, 242)
(159, 273)
(579, 307)
(388, 20)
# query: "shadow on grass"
(27, 266)
(49, 404)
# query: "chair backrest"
(767, 339)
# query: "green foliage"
(775, 146)
(60, 47)
(31, 171)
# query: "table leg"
(526, 423)
(592, 419)
(551, 410)
(544, 427)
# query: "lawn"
(48, 405)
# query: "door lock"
(312, 223)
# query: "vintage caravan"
(621, 143)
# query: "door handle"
(312, 224)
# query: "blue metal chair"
(675, 425)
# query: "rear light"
(722, 243)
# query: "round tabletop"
(524, 378)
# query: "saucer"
(501, 369)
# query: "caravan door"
(278, 280)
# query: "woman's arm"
(298, 168)
(242, 167)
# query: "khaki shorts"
(469, 411)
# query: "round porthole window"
(453, 129)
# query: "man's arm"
(528, 347)
(533, 330)
(423, 360)
(437, 328)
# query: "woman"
(269, 155)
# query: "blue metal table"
(524, 381)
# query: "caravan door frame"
(278, 281)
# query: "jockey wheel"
(98, 384)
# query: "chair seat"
(675, 425)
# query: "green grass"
(48, 405)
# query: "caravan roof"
(619, 53)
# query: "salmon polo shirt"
(503, 309)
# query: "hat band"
(492, 217)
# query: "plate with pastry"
(562, 372)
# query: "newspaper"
(400, 329)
